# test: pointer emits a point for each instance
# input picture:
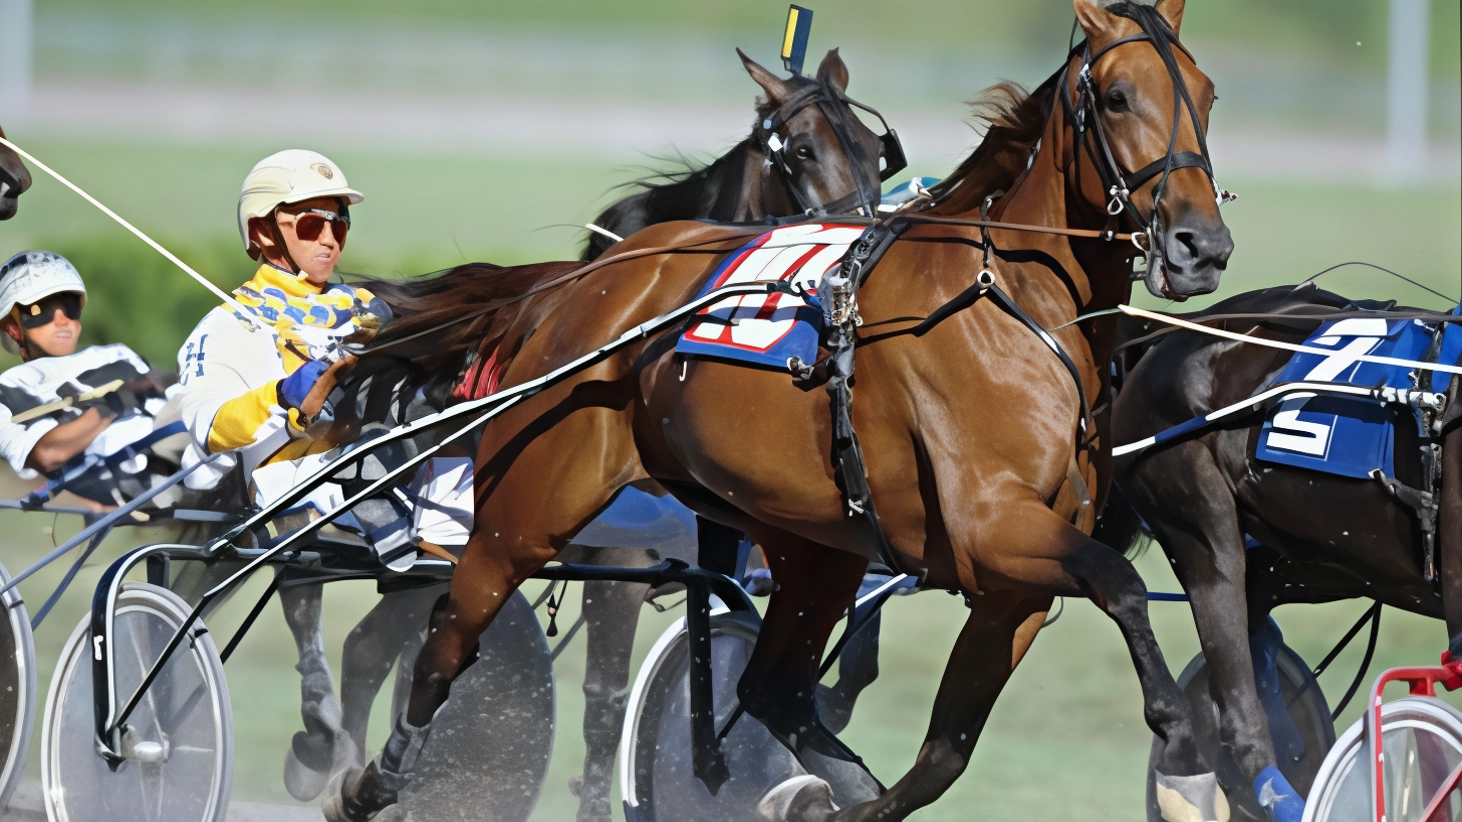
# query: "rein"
(1284, 346)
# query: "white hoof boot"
(804, 798)
(1191, 798)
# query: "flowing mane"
(687, 189)
(1017, 119)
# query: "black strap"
(1182, 159)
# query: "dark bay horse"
(746, 184)
(1322, 537)
(749, 183)
(986, 474)
(14, 180)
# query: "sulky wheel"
(178, 742)
(17, 689)
(1300, 750)
(656, 779)
(490, 743)
(1423, 744)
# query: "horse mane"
(1017, 120)
(687, 189)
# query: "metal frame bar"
(102, 524)
(1422, 681)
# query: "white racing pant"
(439, 501)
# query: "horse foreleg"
(999, 629)
(371, 649)
(1027, 543)
(815, 584)
(857, 669)
(312, 752)
(611, 614)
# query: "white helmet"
(291, 176)
(31, 276)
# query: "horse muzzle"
(1194, 254)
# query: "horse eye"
(1116, 100)
(804, 153)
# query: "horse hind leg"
(313, 751)
(611, 613)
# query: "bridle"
(1081, 115)
(837, 109)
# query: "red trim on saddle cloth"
(480, 380)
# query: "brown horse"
(745, 184)
(986, 477)
(14, 180)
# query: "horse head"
(1137, 109)
(14, 180)
(817, 154)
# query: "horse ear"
(1172, 11)
(1099, 25)
(778, 90)
(834, 70)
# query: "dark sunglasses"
(310, 224)
(43, 313)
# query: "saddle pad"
(769, 329)
(1345, 436)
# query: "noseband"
(1082, 116)
(837, 109)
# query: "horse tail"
(442, 323)
(1121, 527)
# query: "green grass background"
(1067, 738)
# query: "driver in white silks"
(253, 386)
(93, 420)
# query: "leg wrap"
(1277, 796)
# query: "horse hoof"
(302, 779)
(804, 798)
(1195, 798)
(361, 795)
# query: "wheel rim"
(1422, 742)
(180, 737)
(17, 689)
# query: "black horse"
(14, 180)
(761, 176)
(1246, 536)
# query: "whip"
(228, 299)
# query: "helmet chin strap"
(277, 235)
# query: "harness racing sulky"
(672, 415)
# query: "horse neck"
(743, 186)
(1051, 277)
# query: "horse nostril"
(1186, 240)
